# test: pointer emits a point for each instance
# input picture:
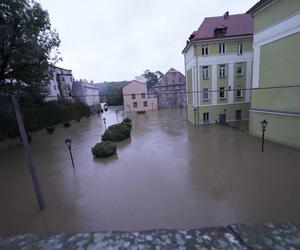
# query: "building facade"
(276, 78)
(170, 90)
(218, 64)
(60, 85)
(136, 97)
(86, 92)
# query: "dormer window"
(220, 32)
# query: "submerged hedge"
(37, 116)
(104, 149)
(117, 132)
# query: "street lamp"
(68, 142)
(104, 120)
(263, 127)
(195, 109)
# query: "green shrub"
(127, 120)
(104, 149)
(50, 130)
(66, 124)
(117, 132)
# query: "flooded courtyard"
(169, 175)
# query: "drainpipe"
(197, 89)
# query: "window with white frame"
(132, 96)
(204, 50)
(205, 72)
(240, 49)
(239, 91)
(239, 70)
(135, 104)
(145, 104)
(206, 117)
(222, 92)
(222, 72)
(222, 48)
(205, 94)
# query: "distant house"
(218, 61)
(136, 97)
(60, 85)
(86, 92)
(171, 90)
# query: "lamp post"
(263, 127)
(195, 109)
(68, 142)
(104, 120)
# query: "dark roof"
(258, 6)
(231, 25)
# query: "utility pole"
(28, 154)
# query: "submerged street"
(169, 175)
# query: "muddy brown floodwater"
(168, 175)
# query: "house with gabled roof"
(136, 97)
(171, 90)
(218, 63)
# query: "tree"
(152, 77)
(115, 97)
(28, 47)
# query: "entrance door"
(206, 117)
(238, 114)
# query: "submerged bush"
(117, 132)
(66, 124)
(127, 120)
(104, 149)
(50, 130)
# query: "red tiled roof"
(235, 25)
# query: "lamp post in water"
(263, 127)
(69, 145)
(104, 120)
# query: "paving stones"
(238, 236)
(269, 236)
(207, 238)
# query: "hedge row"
(114, 133)
(39, 116)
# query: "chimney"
(226, 15)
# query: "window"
(239, 70)
(132, 96)
(239, 92)
(206, 117)
(222, 93)
(145, 104)
(166, 80)
(143, 95)
(204, 50)
(62, 79)
(222, 72)
(54, 86)
(222, 48)
(205, 72)
(205, 94)
(135, 104)
(240, 49)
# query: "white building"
(60, 85)
(86, 92)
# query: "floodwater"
(169, 175)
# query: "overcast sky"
(111, 40)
